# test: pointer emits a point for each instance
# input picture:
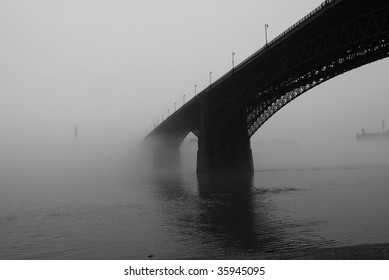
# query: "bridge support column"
(167, 160)
(167, 156)
(228, 151)
(224, 157)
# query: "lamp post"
(233, 54)
(195, 88)
(183, 99)
(175, 106)
(75, 133)
(168, 112)
(266, 27)
(210, 77)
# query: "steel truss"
(342, 48)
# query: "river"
(80, 210)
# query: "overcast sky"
(113, 67)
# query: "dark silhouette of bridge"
(338, 36)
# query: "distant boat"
(374, 137)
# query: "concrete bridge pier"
(225, 157)
(167, 156)
(228, 151)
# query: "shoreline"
(376, 251)
(353, 252)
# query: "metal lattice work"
(260, 114)
(353, 43)
(337, 37)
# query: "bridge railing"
(272, 42)
(251, 57)
(315, 11)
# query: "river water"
(75, 209)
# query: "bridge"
(338, 36)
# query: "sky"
(114, 67)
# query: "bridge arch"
(266, 108)
(304, 64)
(338, 36)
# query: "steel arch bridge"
(338, 36)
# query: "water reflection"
(239, 217)
(169, 185)
(214, 216)
(211, 184)
(227, 209)
(185, 216)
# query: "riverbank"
(358, 252)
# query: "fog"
(114, 67)
(323, 123)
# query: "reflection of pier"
(213, 216)
(374, 137)
(227, 210)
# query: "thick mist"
(115, 68)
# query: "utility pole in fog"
(75, 134)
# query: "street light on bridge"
(210, 77)
(266, 27)
(168, 111)
(233, 54)
(195, 88)
(175, 106)
(183, 99)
